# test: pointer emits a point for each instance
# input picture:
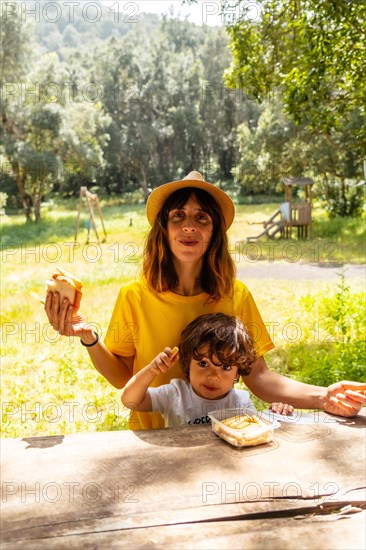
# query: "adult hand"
(66, 319)
(345, 398)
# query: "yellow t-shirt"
(144, 323)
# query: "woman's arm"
(135, 395)
(343, 398)
(116, 369)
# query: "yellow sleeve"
(254, 323)
(123, 330)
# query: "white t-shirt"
(180, 405)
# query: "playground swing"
(91, 199)
(290, 214)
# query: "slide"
(270, 231)
(271, 227)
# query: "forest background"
(122, 101)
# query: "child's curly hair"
(225, 337)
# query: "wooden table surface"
(186, 488)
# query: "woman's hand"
(67, 320)
(163, 362)
(282, 408)
(345, 398)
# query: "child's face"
(209, 380)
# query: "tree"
(16, 45)
(84, 135)
(314, 52)
(32, 133)
(151, 93)
(222, 109)
(276, 147)
(51, 135)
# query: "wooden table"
(186, 488)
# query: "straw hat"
(194, 179)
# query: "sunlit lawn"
(48, 383)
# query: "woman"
(187, 272)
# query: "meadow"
(48, 383)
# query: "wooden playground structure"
(290, 214)
(91, 200)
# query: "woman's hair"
(218, 270)
(222, 336)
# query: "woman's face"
(189, 231)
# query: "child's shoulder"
(176, 385)
(180, 384)
(239, 392)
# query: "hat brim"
(160, 194)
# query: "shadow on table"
(43, 442)
(177, 437)
(358, 421)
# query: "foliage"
(135, 108)
(122, 105)
(313, 51)
(344, 199)
(47, 139)
(275, 147)
(16, 45)
(3, 199)
(74, 29)
(334, 333)
(307, 58)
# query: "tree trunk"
(343, 201)
(37, 197)
(326, 187)
(37, 208)
(25, 198)
(143, 184)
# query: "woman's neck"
(189, 279)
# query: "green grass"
(49, 385)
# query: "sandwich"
(68, 286)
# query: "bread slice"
(175, 351)
(67, 285)
(64, 286)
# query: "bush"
(344, 200)
(332, 347)
(3, 199)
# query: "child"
(214, 351)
